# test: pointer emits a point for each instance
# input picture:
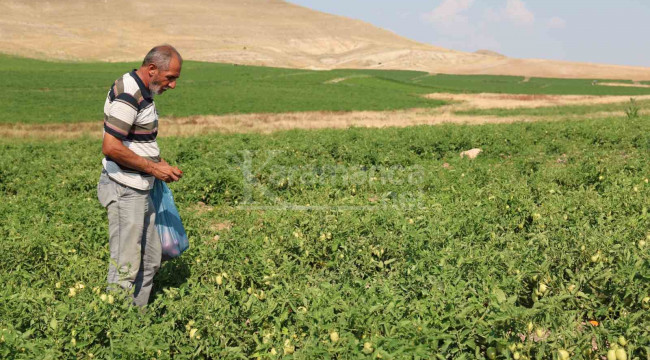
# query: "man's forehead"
(174, 66)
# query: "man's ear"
(152, 69)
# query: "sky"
(597, 31)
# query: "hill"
(253, 32)
(489, 53)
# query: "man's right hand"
(113, 148)
(165, 172)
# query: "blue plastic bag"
(168, 222)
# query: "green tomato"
(543, 288)
(621, 354)
(288, 347)
(491, 353)
(645, 303)
(611, 354)
(334, 336)
(563, 354)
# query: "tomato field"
(358, 243)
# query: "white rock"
(472, 153)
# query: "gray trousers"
(133, 239)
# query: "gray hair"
(161, 56)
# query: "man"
(132, 161)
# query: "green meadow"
(55, 92)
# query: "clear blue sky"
(599, 31)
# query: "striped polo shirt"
(130, 115)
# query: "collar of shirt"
(143, 89)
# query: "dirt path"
(338, 80)
(636, 84)
(521, 101)
(260, 123)
(267, 123)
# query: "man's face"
(161, 80)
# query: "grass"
(416, 258)
(44, 92)
(517, 85)
(56, 92)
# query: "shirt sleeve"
(121, 115)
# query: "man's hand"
(165, 172)
(113, 148)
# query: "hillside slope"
(254, 32)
